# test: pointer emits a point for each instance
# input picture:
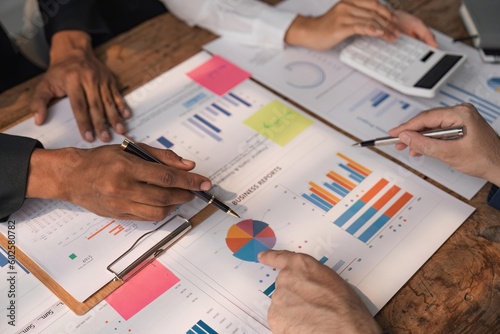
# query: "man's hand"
(476, 154)
(113, 183)
(92, 90)
(312, 298)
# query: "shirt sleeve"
(249, 22)
(72, 15)
(494, 197)
(15, 155)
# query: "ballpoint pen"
(130, 147)
(446, 134)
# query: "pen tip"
(233, 213)
(356, 144)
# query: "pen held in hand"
(444, 134)
(131, 147)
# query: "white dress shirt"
(249, 22)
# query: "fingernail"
(120, 128)
(105, 136)
(37, 118)
(89, 136)
(206, 185)
(187, 162)
(405, 138)
(126, 113)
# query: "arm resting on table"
(14, 167)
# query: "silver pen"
(446, 134)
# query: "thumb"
(40, 100)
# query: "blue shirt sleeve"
(494, 197)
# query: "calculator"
(408, 65)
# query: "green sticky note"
(278, 122)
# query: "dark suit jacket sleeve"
(72, 15)
(15, 154)
(494, 197)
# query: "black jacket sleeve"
(101, 19)
(72, 15)
(15, 154)
(494, 197)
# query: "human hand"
(476, 154)
(312, 298)
(414, 27)
(75, 71)
(346, 18)
(113, 183)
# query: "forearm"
(15, 153)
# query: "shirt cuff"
(494, 197)
(272, 26)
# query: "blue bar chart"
(451, 95)
(209, 121)
(165, 142)
(270, 290)
(336, 184)
(201, 327)
(360, 215)
(384, 104)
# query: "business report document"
(297, 183)
(320, 82)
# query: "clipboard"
(121, 276)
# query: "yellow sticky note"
(278, 122)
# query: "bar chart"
(209, 121)
(113, 229)
(382, 103)
(201, 327)
(365, 217)
(452, 94)
(336, 184)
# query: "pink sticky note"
(218, 75)
(144, 287)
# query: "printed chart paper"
(297, 184)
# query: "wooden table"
(456, 291)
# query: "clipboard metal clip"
(139, 255)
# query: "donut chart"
(248, 238)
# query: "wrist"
(492, 167)
(298, 32)
(69, 43)
(50, 173)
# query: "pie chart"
(494, 83)
(248, 238)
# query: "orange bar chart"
(115, 230)
(336, 184)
